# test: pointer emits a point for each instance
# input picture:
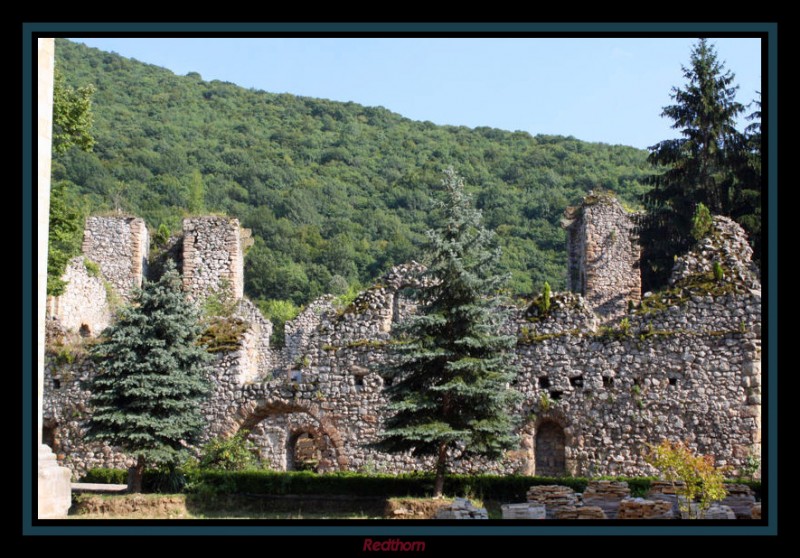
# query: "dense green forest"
(335, 193)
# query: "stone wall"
(254, 354)
(66, 412)
(684, 364)
(212, 256)
(120, 246)
(83, 307)
(603, 255)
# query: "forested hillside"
(335, 193)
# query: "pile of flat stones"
(461, 508)
(606, 495)
(582, 512)
(719, 511)
(740, 499)
(553, 497)
(639, 508)
(523, 511)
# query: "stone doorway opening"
(302, 452)
(550, 459)
(50, 433)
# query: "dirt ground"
(130, 506)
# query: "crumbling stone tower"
(212, 256)
(119, 245)
(603, 255)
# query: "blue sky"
(607, 90)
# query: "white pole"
(45, 131)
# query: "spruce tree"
(747, 202)
(151, 378)
(697, 168)
(450, 396)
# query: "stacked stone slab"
(606, 495)
(120, 246)
(212, 257)
(461, 508)
(580, 512)
(756, 511)
(553, 497)
(639, 508)
(719, 511)
(523, 511)
(740, 499)
(665, 491)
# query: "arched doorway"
(292, 436)
(302, 452)
(550, 460)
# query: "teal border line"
(27, 276)
(772, 285)
(30, 30)
(399, 27)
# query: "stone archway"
(550, 450)
(294, 434)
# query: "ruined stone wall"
(684, 364)
(83, 307)
(689, 373)
(65, 418)
(298, 331)
(120, 246)
(603, 255)
(255, 355)
(212, 256)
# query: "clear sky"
(596, 89)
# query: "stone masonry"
(120, 246)
(603, 263)
(596, 386)
(84, 305)
(213, 258)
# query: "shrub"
(493, 487)
(544, 305)
(235, 453)
(105, 476)
(718, 272)
(92, 268)
(162, 235)
(701, 222)
(701, 481)
(278, 312)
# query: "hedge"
(105, 476)
(153, 480)
(487, 487)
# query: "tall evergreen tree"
(151, 378)
(451, 391)
(747, 203)
(699, 167)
